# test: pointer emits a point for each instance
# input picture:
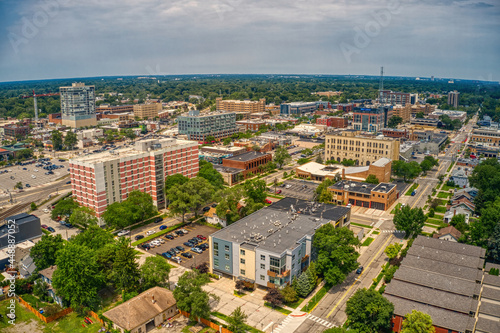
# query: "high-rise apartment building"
(200, 126)
(78, 105)
(363, 150)
(98, 180)
(370, 119)
(391, 97)
(231, 105)
(453, 98)
(147, 111)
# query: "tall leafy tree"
(417, 322)
(190, 296)
(154, 272)
(237, 320)
(57, 140)
(407, 170)
(118, 215)
(141, 204)
(494, 244)
(255, 190)
(368, 311)
(372, 179)
(83, 217)
(228, 199)
(289, 294)
(200, 192)
(336, 250)
(175, 180)
(180, 201)
(94, 237)
(409, 220)
(44, 252)
(208, 172)
(125, 272)
(394, 121)
(392, 250)
(70, 139)
(274, 297)
(281, 156)
(64, 208)
(77, 278)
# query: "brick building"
(345, 107)
(402, 111)
(101, 179)
(55, 118)
(250, 162)
(15, 131)
(231, 105)
(396, 133)
(380, 196)
(251, 125)
(147, 111)
(114, 108)
(380, 169)
(337, 122)
(488, 136)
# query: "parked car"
(172, 253)
(51, 229)
(180, 248)
(206, 209)
(69, 225)
(146, 246)
(359, 270)
(44, 226)
(188, 244)
(163, 227)
(28, 185)
(203, 246)
(187, 255)
(150, 232)
(179, 233)
(184, 231)
(278, 191)
(68, 182)
(169, 236)
(267, 201)
(202, 237)
(196, 250)
(175, 250)
(123, 233)
(177, 259)
(166, 255)
(139, 237)
(158, 219)
(214, 205)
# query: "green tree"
(141, 205)
(77, 278)
(338, 330)
(417, 322)
(82, 217)
(325, 196)
(407, 170)
(303, 287)
(392, 250)
(64, 208)
(208, 172)
(348, 162)
(372, 179)
(324, 186)
(228, 199)
(175, 180)
(336, 250)
(125, 272)
(458, 221)
(154, 272)
(18, 185)
(226, 141)
(190, 296)
(94, 237)
(210, 139)
(409, 220)
(289, 294)
(281, 156)
(237, 321)
(44, 252)
(494, 244)
(118, 215)
(180, 201)
(40, 289)
(420, 115)
(129, 133)
(70, 139)
(24, 154)
(200, 193)
(274, 297)
(255, 190)
(368, 311)
(33, 206)
(394, 121)
(319, 159)
(57, 140)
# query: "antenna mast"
(381, 85)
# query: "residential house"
(449, 233)
(460, 177)
(212, 218)
(144, 312)
(461, 208)
(46, 275)
(471, 191)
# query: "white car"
(36, 170)
(46, 210)
(184, 231)
(150, 232)
(123, 233)
(33, 176)
(155, 243)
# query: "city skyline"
(53, 39)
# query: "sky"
(46, 39)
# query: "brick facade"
(247, 163)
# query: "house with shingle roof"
(449, 233)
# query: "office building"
(395, 133)
(273, 245)
(426, 122)
(447, 281)
(297, 108)
(377, 196)
(394, 98)
(231, 105)
(364, 150)
(453, 98)
(98, 180)
(345, 107)
(487, 136)
(370, 119)
(402, 111)
(147, 111)
(106, 108)
(250, 162)
(199, 127)
(337, 122)
(78, 105)
(380, 169)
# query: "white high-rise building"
(78, 105)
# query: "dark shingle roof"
(490, 309)
(443, 245)
(487, 325)
(490, 293)
(491, 280)
(48, 272)
(251, 155)
(441, 255)
(443, 268)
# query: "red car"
(278, 191)
(44, 226)
(268, 201)
(201, 237)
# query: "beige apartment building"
(364, 150)
(231, 105)
(147, 111)
(402, 111)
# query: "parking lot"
(33, 176)
(296, 188)
(193, 231)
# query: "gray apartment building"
(200, 126)
(274, 244)
(298, 108)
(78, 105)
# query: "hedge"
(161, 232)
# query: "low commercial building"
(428, 141)
(446, 280)
(380, 169)
(105, 109)
(144, 312)
(15, 131)
(380, 196)
(460, 115)
(484, 149)
(297, 108)
(395, 133)
(362, 149)
(317, 171)
(337, 122)
(251, 125)
(24, 226)
(489, 136)
(426, 122)
(250, 162)
(273, 245)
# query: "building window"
(216, 262)
(262, 257)
(242, 271)
(293, 256)
(216, 253)
(227, 268)
(226, 248)
(242, 261)
(216, 246)
(226, 256)
(293, 266)
(242, 252)
(262, 266)
(262, 277)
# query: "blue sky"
(46, 39)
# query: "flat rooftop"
(245, 157)
(360, 187)
(280, 226)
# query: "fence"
(96, 317)
(208, 323)
(42, 317)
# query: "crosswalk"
(320, 321)
(393, 231)
(292, 322)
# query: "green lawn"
(315, 300)
(413, 187)
(440, 209)
(367, 241)
(444, 195)
(295, 304)
(436, 222)
(447, 188)
(375, 232)
(361, 225)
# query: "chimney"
(153, 299)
